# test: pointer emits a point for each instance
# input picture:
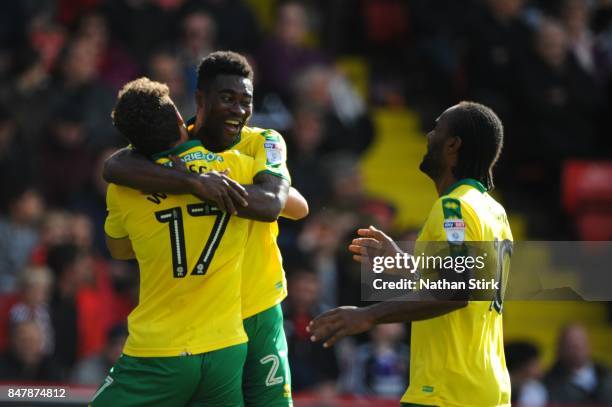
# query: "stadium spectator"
(312, 367)
(63, 261)
(575, 16)
(91, 371)
(381, 365)
(28, 95)
(523, 361)
(236, 26)
(115, 65)
(54, 230)
(198, 39)
(36, 285)
(561, 100)
(77, 85)
(346, 126)
(303, 142)
(166, 68)
(496, 47)
(66, 161)
(126, 20)
(576, 378)
(18, 236)
(283, 56)
(26, 361)
(12, 148)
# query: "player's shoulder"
(259, 134)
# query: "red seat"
(587, 184)
(587, 196)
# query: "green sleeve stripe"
(276, 174)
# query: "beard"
(432, 163)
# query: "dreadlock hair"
(482, 136)
(146, 116)
(222, 63)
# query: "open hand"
(333, 325)
(219, 188)
(372, 243)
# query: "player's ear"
(453, 144)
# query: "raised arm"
(128, 168)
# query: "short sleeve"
(271, 154)
(113, 226)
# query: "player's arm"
(270, 189)
(335, 324)
(129, 168)
(296, 207)
(120, 249)
(266, 198)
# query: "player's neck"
(444, 182)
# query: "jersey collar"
(466, 181)
(176, 150)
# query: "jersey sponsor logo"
(198, 155)
(455, 230)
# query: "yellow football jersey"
(190, 259)
(457, 359)
(263, 281)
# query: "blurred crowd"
(545, 67)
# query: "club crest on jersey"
(455, 230)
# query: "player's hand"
(333, 325)
(220, 189)
(372, 243)
(178, 164)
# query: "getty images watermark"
(485, 271)
(449, 264)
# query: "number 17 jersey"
(190, 259)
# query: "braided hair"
(482, 136)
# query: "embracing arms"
(262, 201)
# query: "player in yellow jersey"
(224, 106)
(186, 344)
(457, 357)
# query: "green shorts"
(209, 379)
(266, 381)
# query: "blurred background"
(353, 86)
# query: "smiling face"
(226, 107)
